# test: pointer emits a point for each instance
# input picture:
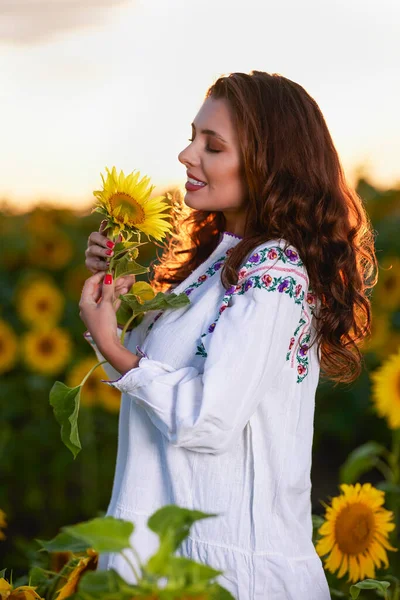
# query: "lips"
(194, 177)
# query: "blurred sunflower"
(23, 592)
(355, 532)
(40, 303)
(74, 280)
(51, 249)
(78, 568)
(386, 294)
(47, 351)
(126, 203)
(386, 390)
(110, 397)
(3, 524)
(94, 391)
(8, 347)
(92, 388)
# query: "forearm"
(119, 357)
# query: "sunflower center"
(3, 347)
(46, 346)
(354, 528)
(42, 305)
(390, 283)
(130, 210)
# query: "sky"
(96, 83)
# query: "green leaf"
(368, 584)
(127, 266)
(104, 534)
(107, 585)
(3, 573)
(160, 301)
(359, 461)
(172, 524)
(65, 402)
(217, 592)
(142, 289)
(64, 542)
(181, 567)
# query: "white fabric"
(218, 416)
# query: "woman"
(218, 399)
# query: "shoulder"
(273, 266)
(276, 254)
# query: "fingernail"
(108, 279)
(108, 263)
(110, 244)
(109, 252)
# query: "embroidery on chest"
(214, 268)
(248, 278)
(298, 345)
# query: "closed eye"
(208, 149)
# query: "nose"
(187, 157)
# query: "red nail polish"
(110, 244)
(108, 279)
(109, 252)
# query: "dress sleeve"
(245, 350)
(133, 337)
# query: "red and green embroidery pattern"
(298, 348)
(284, 284)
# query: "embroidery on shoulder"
(216, 265)
(247, 279)
(298, 345)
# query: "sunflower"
(386, 390)
(47, 351)
(8, 347)
(40, 303)
(3, 524)
(355, 532)
(126, 203)
(86, 563)
(386, 294)
(23, 592)
(51, 249)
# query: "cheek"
(226, 179)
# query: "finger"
(101, 251)
(125, 280)
(90, 290)
(107, 291)
(96, 238)
(102, 227)
(96, 264)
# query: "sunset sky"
(94, 83)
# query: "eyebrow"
(211, 132)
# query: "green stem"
(91, 371)
(129, 321)
(384, 469)
(132, 566)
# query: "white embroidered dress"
(218, 416)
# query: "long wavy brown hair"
(297, 191)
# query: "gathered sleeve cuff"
(246, 355)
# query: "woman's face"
(214, 159)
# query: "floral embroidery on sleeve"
(298, 349)
(248, 277)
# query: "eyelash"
(207, 147)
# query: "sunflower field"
(356, 452)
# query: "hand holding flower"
(98, 305)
